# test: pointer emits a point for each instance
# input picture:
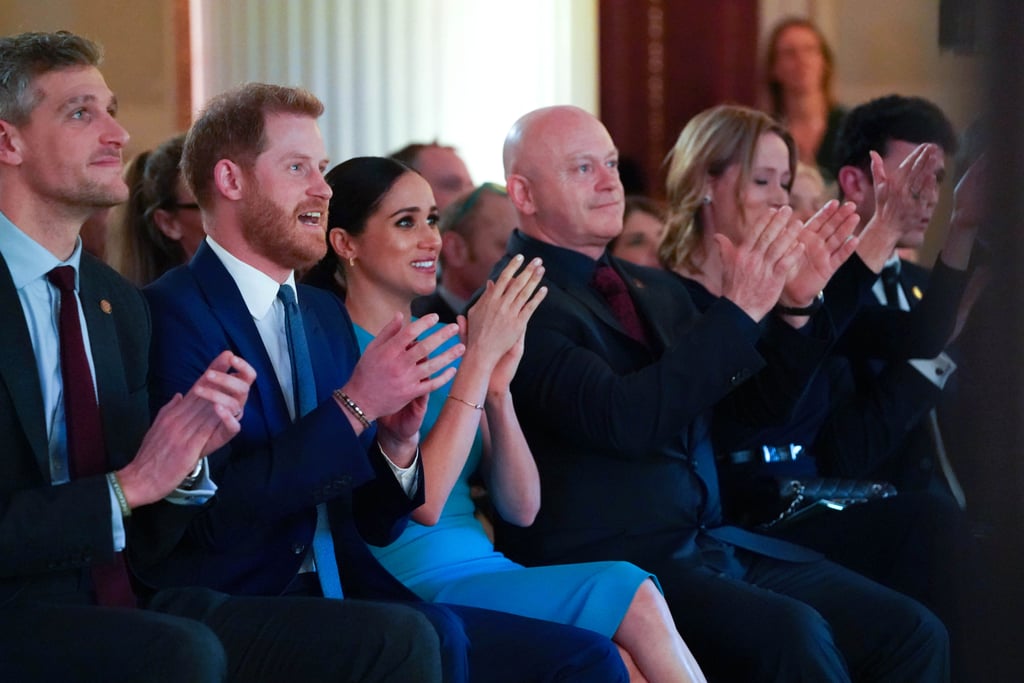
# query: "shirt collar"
(27, 259)
(259, 290)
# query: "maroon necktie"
(614, 290)
(86, 449)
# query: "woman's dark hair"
(143, 251)
(358, 185)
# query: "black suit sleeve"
(610, 397)
(869, 422)
(884, 332)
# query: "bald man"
(614, 393)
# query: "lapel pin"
(105, 306)
(918, 294)
(637, 283)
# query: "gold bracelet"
(115, 486)
(475, 406)
(352, 406)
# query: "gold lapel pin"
(916, 291)
(105, 306)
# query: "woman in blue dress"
(384, 244)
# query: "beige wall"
(138, 39)
(892, 46)
(881, 46)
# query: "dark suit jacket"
(50, 534)
(434, 303)
(877, 427)
(619, 431)
(253, 536)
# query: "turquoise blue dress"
(454, 562)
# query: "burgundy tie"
(86, 450)
(614, 290)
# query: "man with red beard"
(327, 458)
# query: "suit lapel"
(230, 310)
(19, 371)
(107, 360)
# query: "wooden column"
(661, 62)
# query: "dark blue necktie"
(304, 388)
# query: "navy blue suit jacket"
(252, 537)
(619, 430)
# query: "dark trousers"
(82, 644)
(272, 639)
(507, 648)
(342, 640)
(815, 621)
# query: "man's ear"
(454, 250)
(854, 183)
(228, 179)
(10, 144)
(166, 224)
(521, 194)
(342, 244)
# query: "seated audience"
(83, 464)
(442, 167)
(799, 66)
(474, 232)
(381, 220)
(897, 393)
(160, 227)
(328, 455)
(615, 400)
(895, 541)
(643, 224)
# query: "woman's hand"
(497, 322)
(828, 241)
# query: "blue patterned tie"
(304, 386)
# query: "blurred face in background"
(799, 61)
(807, 194)
(641, 235)
(446, 172)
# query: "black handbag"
(808, 496)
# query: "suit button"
(298, 548)
(738, 377)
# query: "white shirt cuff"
(116, 520)
(408, 477)
(936, 370)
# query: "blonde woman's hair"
(709, 144)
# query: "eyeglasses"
(463, 208)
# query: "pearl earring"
(705, 200)
(351, 261)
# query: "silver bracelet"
(115, 486)
(352, 406)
